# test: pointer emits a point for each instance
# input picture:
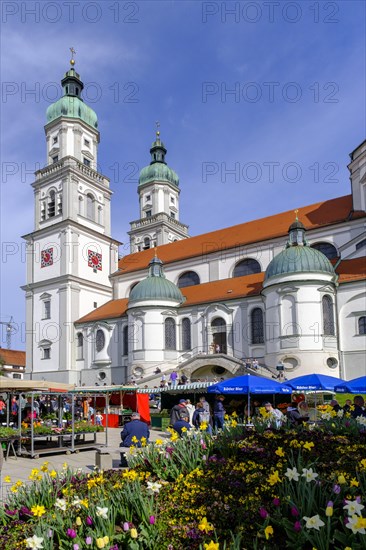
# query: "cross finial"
(73, 52)
(155, 252)
(296, 213)
(157, 129)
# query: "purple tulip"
(297, 526)
(263, 512)
(71, 533)
(294, 511)
(89, 540)
(152, 520)
(126, 526)
(89, 520)
(76, 547)
(276, 501)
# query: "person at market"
(294, 416)
(190, 408)
(177, 410)
(275, 417)
(358, 406)
(182, 425)
(132, 435)
(219, 412)
(2, 407)
(347, 406)
(335, 405)
(201, 416)
(173, 378)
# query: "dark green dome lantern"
(298, 257)
(71, 105)
(158, 170)
(156, 287)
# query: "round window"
(99, 340)
(138, 371)
(218, 370)
(332, 362)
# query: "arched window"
(90, 207)
(328, 316)
(170, 335)
(257, 328)
(125, 340)
(99, 340)
(362, 325)
(327, 249)
(51, 204)
(146, 243)
(219, 340)
(246, 267)
(189, 278)
(79, 346)
(288, 310)
(186, 334)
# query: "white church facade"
(283, 290)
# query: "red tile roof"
(225, 289)
(313, 216)
(111, 310)
(352, 270)
(12, 357)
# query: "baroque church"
(283, 293)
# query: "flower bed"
(242, 489)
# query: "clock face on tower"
(94, 260)
(47, 257)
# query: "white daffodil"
(357, 524)
(60, 503)
(361, 420)
(340, 413)
(314, 522)
(292, 474)
(34, 542)
(308, 474)
(102, 512)
(76, 502)
(153, 486)
(353, 507)
(326, 416)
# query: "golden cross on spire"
(157, 129)
(296, 213)
(73, 52)
(155, 252)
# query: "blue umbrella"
(312, 382)
(249, 384)
(357, 385)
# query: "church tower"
(158, 192)
(70, 253)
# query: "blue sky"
(296, 75)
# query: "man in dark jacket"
(132, 434)
(219, 412)
(182, 423)
(177, 410)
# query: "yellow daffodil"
(134, 439)
(308, 445)
(363, 463)
(280, 452)
(7, 479)
(205, 526)
(212, 546)
(14, 489)
(52, 473)
(159, 442)
(38, 510)
(354, 483)
(268, 532)
(274, 478)
(19, 483)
